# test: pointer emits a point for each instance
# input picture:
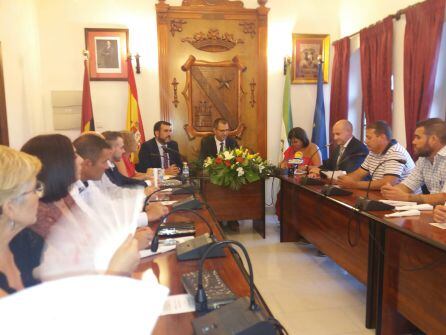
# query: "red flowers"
(239, 159)
(228, 163)
(218, 160)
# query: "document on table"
(177, 304)
(438, 225)
(397, 203)
(335, 174)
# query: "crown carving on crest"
(213, 41)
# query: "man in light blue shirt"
(430, 146)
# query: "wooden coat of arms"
(213, 90)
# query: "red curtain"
(376, 70)
(424, 24)
(339, 81)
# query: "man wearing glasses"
(219, 142)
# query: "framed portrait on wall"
(307, 49)
(108, 50)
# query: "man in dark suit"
(349, 152)
(213, 144)
(160, 151)
(116, 142)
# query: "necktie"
(221, 146)
(165, 157)
(341, 152)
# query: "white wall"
(21, 64)
(61, 25)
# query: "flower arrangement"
(234, 168)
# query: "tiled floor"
(307, 294)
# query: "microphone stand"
(242, 316)
(366, 204)
(191, 249)
(330, 189)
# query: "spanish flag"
(134, 121)
(87, 123)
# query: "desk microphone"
(330, 189)
(241, 317)
(366, 204)
(312, 181)
(191, 249)
(184, 189)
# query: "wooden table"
(168, 270)
(401, 260)
(413, 276)
(244, 204)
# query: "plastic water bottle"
(185, 170)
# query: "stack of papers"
(397, 203)
(421, 207)
(412, 212)
(335, 174)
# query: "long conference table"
(402, 261)
(168, 270)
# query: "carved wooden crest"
(213, 90)
(213, 41)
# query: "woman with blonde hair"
(19, 199)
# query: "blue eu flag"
(319, 135)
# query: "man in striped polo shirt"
(429, 144)
(384, 163)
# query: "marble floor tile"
(308, 294)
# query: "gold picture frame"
(306, 50)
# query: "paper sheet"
(335, 175)
(412, 212)
(177, 304)
(438, 225)
(398, 203)
(168, 202)
(421, 207)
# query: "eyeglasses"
(39, 189)
(223, 130)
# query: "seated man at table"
(214, 144)
(116, 143)
(95, 153)
(381, 164)
(160, 151)
(349, 152)
(429, 144)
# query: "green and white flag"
(287, 117)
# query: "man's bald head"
(342, 131)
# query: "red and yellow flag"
(134, 121)
(87, 122)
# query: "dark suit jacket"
(120, 180)
(208, 147)
(150, 156)
(355, 147)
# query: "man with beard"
(430, 146)
(160, 151)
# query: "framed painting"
(307, 50)
(108, 50)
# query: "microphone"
(330, 189)
(242, 316)
(191, 249)
(184, 189)
(313, 181)
(366, 204)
